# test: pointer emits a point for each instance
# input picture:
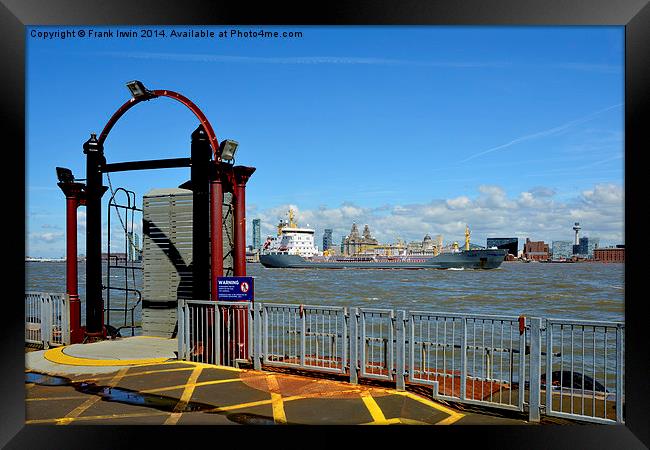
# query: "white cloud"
(459, 202)
(491, 212)
(607, 194)
(47, 237)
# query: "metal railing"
(47, 319)
(214, 332)
(564, 368)
(473, 359)
(302, 336)
(586, 368)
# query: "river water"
(588, 291)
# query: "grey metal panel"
(167, 254)
(167, 248)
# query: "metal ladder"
(130, 265)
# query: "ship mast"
(467, 234)
(292, 224)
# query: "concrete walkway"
(137, 380)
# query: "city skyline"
(515, 131)
(521, 241)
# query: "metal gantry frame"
(211, 177)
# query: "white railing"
(214, 333)
(495, 361)
(47, 319)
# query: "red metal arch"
(216, 153)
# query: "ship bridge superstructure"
(292, 239)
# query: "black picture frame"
(634, 15)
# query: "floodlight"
(137, 89)
(64, 175)
(228, 148)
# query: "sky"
(514, 131)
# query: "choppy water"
(590, 291)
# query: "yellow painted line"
(79, 410)
(279, 416)
(193, 385)
(57, 356)
(148, 372)
(211, 366)
(453, 415)
(377, 414)
(67, 420)
(239, 406)
(266, 402)
(40, 399)
(185, 397)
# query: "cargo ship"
(294, 248)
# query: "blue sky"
(516, 131)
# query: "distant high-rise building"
(583, 246)
(131, 252)
(138, 249)
(257, 238)
(327, 239)
(134, 251)
(342, 245)
(562, 249)
(509, 244)
(593, 245)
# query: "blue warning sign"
(235, 288)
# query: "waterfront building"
(414, 247)
(131, 245)
(610, 254)
(355, 243)
(427, 246)
(138, 249)
(536, 250)
(257, 237)
(592, 245)
(327, 239)
(583, 247)
(509, 244)
(562, 250)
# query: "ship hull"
(469, 259)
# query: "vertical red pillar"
(216, 228)
(74, 197)
(241, 174)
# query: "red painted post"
(216, 229)
(73, 196)
(241, 174)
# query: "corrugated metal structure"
(167, 256)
